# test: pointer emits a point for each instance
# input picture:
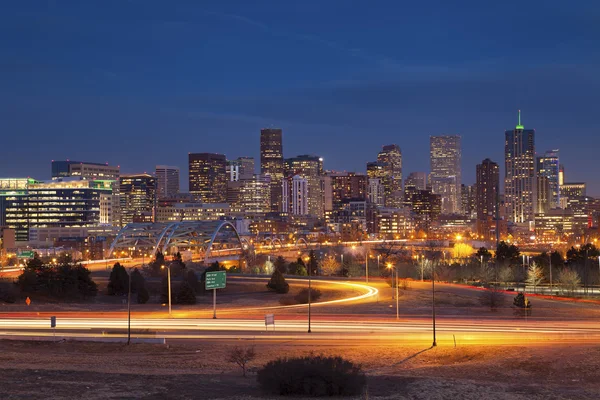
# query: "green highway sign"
(215, 280)
(25, 254)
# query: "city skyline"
(74, 91)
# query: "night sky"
(140, 83)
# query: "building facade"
(445, 162)
(486, 187)
(548, 167)
(295, 195)
(167, 181)
(138, 198)
(271, 163)
(310, 168)
(391, 159)
(519, 174)
(208, 177)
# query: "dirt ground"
(185, 370)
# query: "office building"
(426, 208)
(310, 168)
(295, 195)
(393, 222)
(14, 205)
(570, 190)
(519, 174)
(391, 159)
(348, 186)
(271, 163)
(445, 163)
(85, 170)
(208, 177)
(60, 203)
(548, 167)
(469, 201)
(246, 167)
(543, 194)
(487, 190)
(192, 212)
(167, 181)
(414, 182)
(138, 198)
(376, 192)
(554, 225)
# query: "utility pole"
(129, 308)
(550, 263)
(433, 301)
(309, 290)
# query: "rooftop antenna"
(519, 126)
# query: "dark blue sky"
(140, 83)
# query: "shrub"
(278, 283)
(142, 294)
(241, 356)
(302, 296)
(65, 281)
(8, 292)
(521, 301)
(186, 294)
(312, 376)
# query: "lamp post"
(169, 284)
(392, 268)
(367, 266)
(129, 308)
(433, 301)
(550, 263)
(309, 290)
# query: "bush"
(521, 301)
(65, 281)
(186, 294)
(137, 281)
(302, 296)
(241, 356)
(312, 376)
(278, 283)
(8, 292)
(142, 294)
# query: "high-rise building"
(414, 182)
(469, 200)
(208, 177)
(271, 163)
(561, 175)
(487, 186)
(246, 167)
(391, 158)
(167, 181)
(519, 174)
(376, 176)
(138, 198)
(445, 159)
(309, 168)
(543, 194)
(426, 208)
(92, 171)
(548, 166)
(295, 195)
(348, 186)
(60, 203)
(570, 190)
(376, 192)
(233, 170)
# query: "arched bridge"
(207, 239)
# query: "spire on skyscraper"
(519, 126)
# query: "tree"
(241, 356)
(278, 283)
(535, 275)
(507, 254)
(137, 280)
(155, 266)
(118, 282)
(462, 250)
(281, 264)
(142, 294)
(192, 279)
(521, 301)
(186, 294)
(164, 290)
(64, 281)
(505, 275)
(330, 266)
(569, 280)
(483, 252)
(313, 263)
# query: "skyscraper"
(167, 181)
(348, 186)
(271, 163)
(295, 195)
(391, 158)
(519, 174)
(208, 177)
(487, 186)
(309, 168)
(445, 159)
(138, 198)
(548, 166)
(246, 167)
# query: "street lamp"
(129, 307)
(169, 284)
(392, 268)
(309, 292)
(367, 266)
(433, 301)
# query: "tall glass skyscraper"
(519, 174)
(391, 157)
(271, 163)
(548, 166)
(445, 158)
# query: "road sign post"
(53, 325)
(215, 280)
(269, 320)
